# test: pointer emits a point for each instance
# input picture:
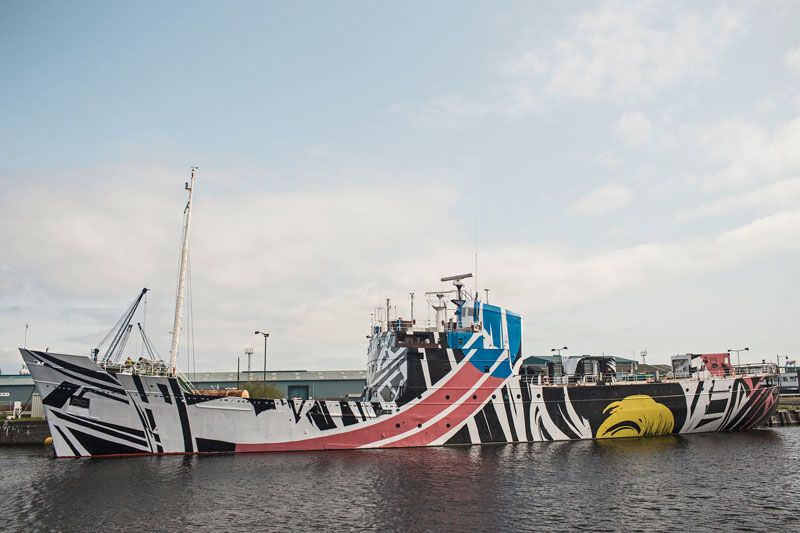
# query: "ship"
(456, 380)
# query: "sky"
(627, 172)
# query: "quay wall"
(22, 431)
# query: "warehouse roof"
(15, 379)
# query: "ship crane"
(122, 331)
(114, 357)
(151, 350)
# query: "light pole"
(738, 357)
(558, 350)
(265, 354)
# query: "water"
(745, 481)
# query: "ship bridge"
(406, 358)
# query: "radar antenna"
(459, 301)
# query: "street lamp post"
(265, 354)
(558, 350)
(738, 357)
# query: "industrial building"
(15, 388)
(538, 364)
(303, 384)
(292, 383)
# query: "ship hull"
(94, 413)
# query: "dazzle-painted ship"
(456, 381)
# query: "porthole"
(447, 397)
(448, 425)
(397, 426)
(518, 396)
(419, 425)
(494, 397)
(538, 396)
(474, 396)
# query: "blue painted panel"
(485, 358)
(503, 370)
(514, 322)
(493, 324)
(459, 339)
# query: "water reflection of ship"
(637, 446)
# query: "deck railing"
(149, 367)
(649, 377)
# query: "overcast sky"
(631, 172)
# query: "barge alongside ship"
(455, 382)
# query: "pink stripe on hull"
(426, 409)
(454, 419)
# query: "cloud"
(307, 264)
(601, 201)
(792, 59)
(749, 154)
(450, 112)
(620, 52)
(634, 128)
(625, 51)
(606, 160)
(564, 277)
(529, 63)
(784, 194)
(454, 111)
(765, 105)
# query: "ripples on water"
(713, 481)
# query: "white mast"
(176, 328)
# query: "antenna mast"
(176, 328)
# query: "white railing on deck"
(622, 377)
(148, 367)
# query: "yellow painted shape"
(636, 416)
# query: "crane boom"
(121, 328)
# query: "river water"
(745, 481)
